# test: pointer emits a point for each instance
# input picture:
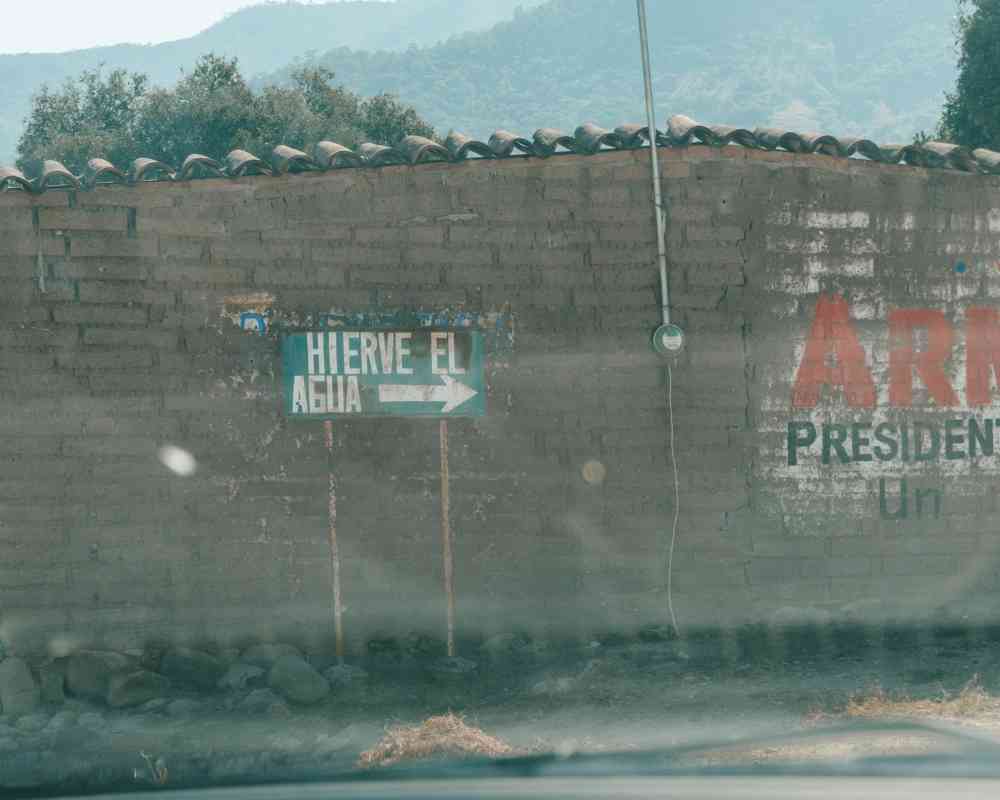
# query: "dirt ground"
(642, 696)
(624, 696)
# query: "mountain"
(867, 67)
(264, 38)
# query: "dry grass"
(972, 703)
(971, 706)
(447, 736)
(843, 749)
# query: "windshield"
(399, 382)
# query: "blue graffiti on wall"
(252, 321)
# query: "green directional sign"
(379, 373)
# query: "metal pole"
(449, 570)
(661, 252)
(661, 233)
(338, 609)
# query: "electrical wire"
(677, 500)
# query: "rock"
(653, 633)
(241, 676)
(18, 690)
(264, 701)
(701, 651)
(88, 672)
(511, 646)
(135, 688)
(32, 722)
(153, 706)
(294, 679)
(384, 652)
(152, 655)
(60, 721)
(554, 686)
(268, 654)
(77, 706)
(51, 683)
(659, 655)
(340, 676)
(321, 662)
(192, 667)
(184, 707)
(612, 639)
(229, 656)
(91, 720)
(424, 647)
(504, 644)
(453, 665)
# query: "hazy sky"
(58, 25)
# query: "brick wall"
(118, 335)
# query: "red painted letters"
(833, 357)
(982, 337)
(929, 364)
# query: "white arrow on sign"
(452, 393)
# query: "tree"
(386, 120)
(972, 113)
(90, 116)
(322, 97)
(211, 111)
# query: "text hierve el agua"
(420, 373)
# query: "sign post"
(449, 570)
(338, 609)
(338, 373)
